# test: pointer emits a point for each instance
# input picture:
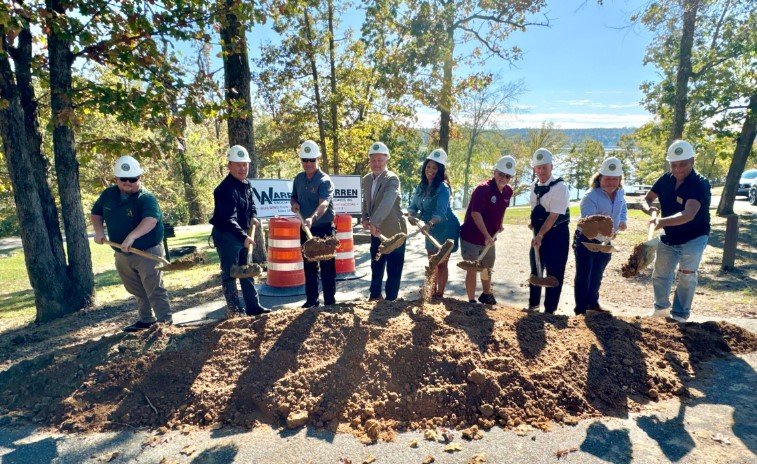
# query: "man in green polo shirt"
(134, 219)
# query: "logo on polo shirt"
(125, 167)
(494, 198)
(678, 151)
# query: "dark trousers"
(231, 251)
(327, 268)
(554, 256)
(393, 263)
(590, 266)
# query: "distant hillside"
(608, 136)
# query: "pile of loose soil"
(370, 368)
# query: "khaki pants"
(141, 279)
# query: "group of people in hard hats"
(134, 219)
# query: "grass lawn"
(17, 298)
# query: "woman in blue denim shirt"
(431, 203)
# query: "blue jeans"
(687, 257)
(393, 263)
(590, 267)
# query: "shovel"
(538, 280)
(185, 262)
(597, 227)
(317, 248)
(642, 254)
(390, 244)
(476, 265)
(444, 250)
(249, 270)
(605, 247)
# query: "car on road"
(748, 179)
(753, 195)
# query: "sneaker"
(532, 309)
(664, 312)
(311, 304)
(167, 320)
(375, 298)
(487, 298)
(137, 326)
(259, 311)
(473, 301)
(680, 319)
(329, 303)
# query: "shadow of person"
(531, 333)
(671, 435)
(617, 369)
(384, 311)
(42, 451)
(216, 454)
(611, 445)
(474, 320)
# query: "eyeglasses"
(503, 175)
(307, 160)
(130, 180)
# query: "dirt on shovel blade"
(184, 262)
(390, 244)
(548, 281)
(318, 248)
(470, 265)
(246, 271)
(595, 225)
(369, 368)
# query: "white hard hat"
(378, 147)
(238, 154)
(541, 156)
(680, 150)
(611, 167)
(506, 164)
(309, 150)
(126, 166)
(439, 156)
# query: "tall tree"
(431, 32)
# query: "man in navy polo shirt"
(483, 219)
(684, 197)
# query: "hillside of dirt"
(370, 368)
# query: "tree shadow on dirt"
(610, 445)
(618, 357)
(530, 331)
(475, 322)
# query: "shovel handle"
(486, 248)
(308, 234)
(538, 261)
(141, 253)
(249, 247)
(431, 238)
(650, 234)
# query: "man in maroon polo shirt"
(483, 219)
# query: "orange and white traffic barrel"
(345, 252)
(286, 271)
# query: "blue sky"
(583, 71)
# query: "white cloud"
(563, 120)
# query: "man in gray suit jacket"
(382, 215)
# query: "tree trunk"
(445, 96)
(740, 156)
(684, 69)
(466, 185)
(46, 271)
(81, 280)
(317, 91)
(191, 193)
(40, 166)
(237, 77)
(333, 101)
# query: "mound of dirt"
(370, 368)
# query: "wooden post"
(730, 241)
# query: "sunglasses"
(307, 160)
(503, 175)
(130, 180)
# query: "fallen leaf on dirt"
(720, 438)
(345, 461)
(447, 435)
(564, 452)
(413, 443)
(429, 435)
(477, 458)
(370, 459)
(168, 461)
(472, 433)
(188, 450)
(109, 456)
(428, 459)
(452, 447)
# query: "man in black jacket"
(233, 213)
